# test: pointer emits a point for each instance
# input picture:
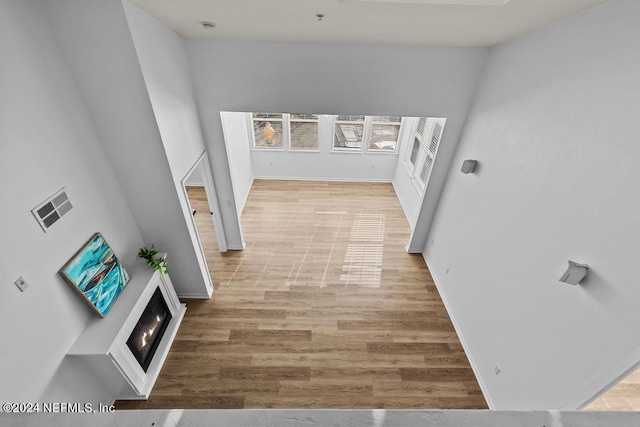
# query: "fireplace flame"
(150, 332)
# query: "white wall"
(237, 143)
(48, 142)
(165, 68)
(555, 128)
(195, 179)
(97, 44)
(335, 78)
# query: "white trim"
(242, 247)
(194, 296)
(214, 205)
(465, 346)
(306, 178)
(212, 197)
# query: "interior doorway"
(204, 209)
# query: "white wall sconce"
(574, 273)
(469, 166)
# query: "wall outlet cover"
(21, 284)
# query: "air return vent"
(51, 210)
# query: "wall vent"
(51, 210)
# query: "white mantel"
(103, 343)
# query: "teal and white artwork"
(97, 274)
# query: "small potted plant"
(156, 262)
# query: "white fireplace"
(102, 346)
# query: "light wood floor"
(624, 396)
(324, 309)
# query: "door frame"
(212, 199)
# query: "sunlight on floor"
(363, 259)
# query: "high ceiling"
(363, 21)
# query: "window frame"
(372, 123)
(289, 139)
(363, 140)
(252, 128)
(415, 170)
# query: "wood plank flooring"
(324, 309)
(624, 396)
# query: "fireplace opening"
(147, 334)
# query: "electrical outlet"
(497, 370)
(21, 284)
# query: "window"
(348, 132)
(431, 146)
(425, 139)
(384, 133)
(303, 131)
(417, 140)
(267, 130)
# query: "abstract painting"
(97, 274)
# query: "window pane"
(267, 134)
(421, 124)
(267, 116)
(414, 151)
(426, 168)
(383, 137)
(350, 118)
(304, 117)
(348, 135)
(304, 135)
(387, 119)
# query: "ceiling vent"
(51, 210)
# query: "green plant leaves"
(157, 263)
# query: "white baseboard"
(474, 367)
(194, 296)
(333, 179)
(237, 248)
(411, 250)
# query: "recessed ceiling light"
(208, 25)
